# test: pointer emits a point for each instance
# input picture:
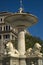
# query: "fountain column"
(21, 40)
(21, 45)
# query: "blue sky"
(35, 7)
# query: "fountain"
(20, 21)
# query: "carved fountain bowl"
(21, 19)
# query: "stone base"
(34, 61)
(22, 61)
(10, 61)
(14, 61)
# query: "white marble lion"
(10, 50)
(37, 49)
(29, 51)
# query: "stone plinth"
(34, 61)
(10, 60)
(22, 59)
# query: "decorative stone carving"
(29, 52)
(37, 49)
(10, 50)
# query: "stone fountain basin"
(21, 19)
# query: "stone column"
(21, 45)
(2, 45)
(40, 61)
(10, 36)
(22, 61)
(21, 41)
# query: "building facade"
(6, 33)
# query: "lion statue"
(37, 49)
(10, 50)
(29, 52)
